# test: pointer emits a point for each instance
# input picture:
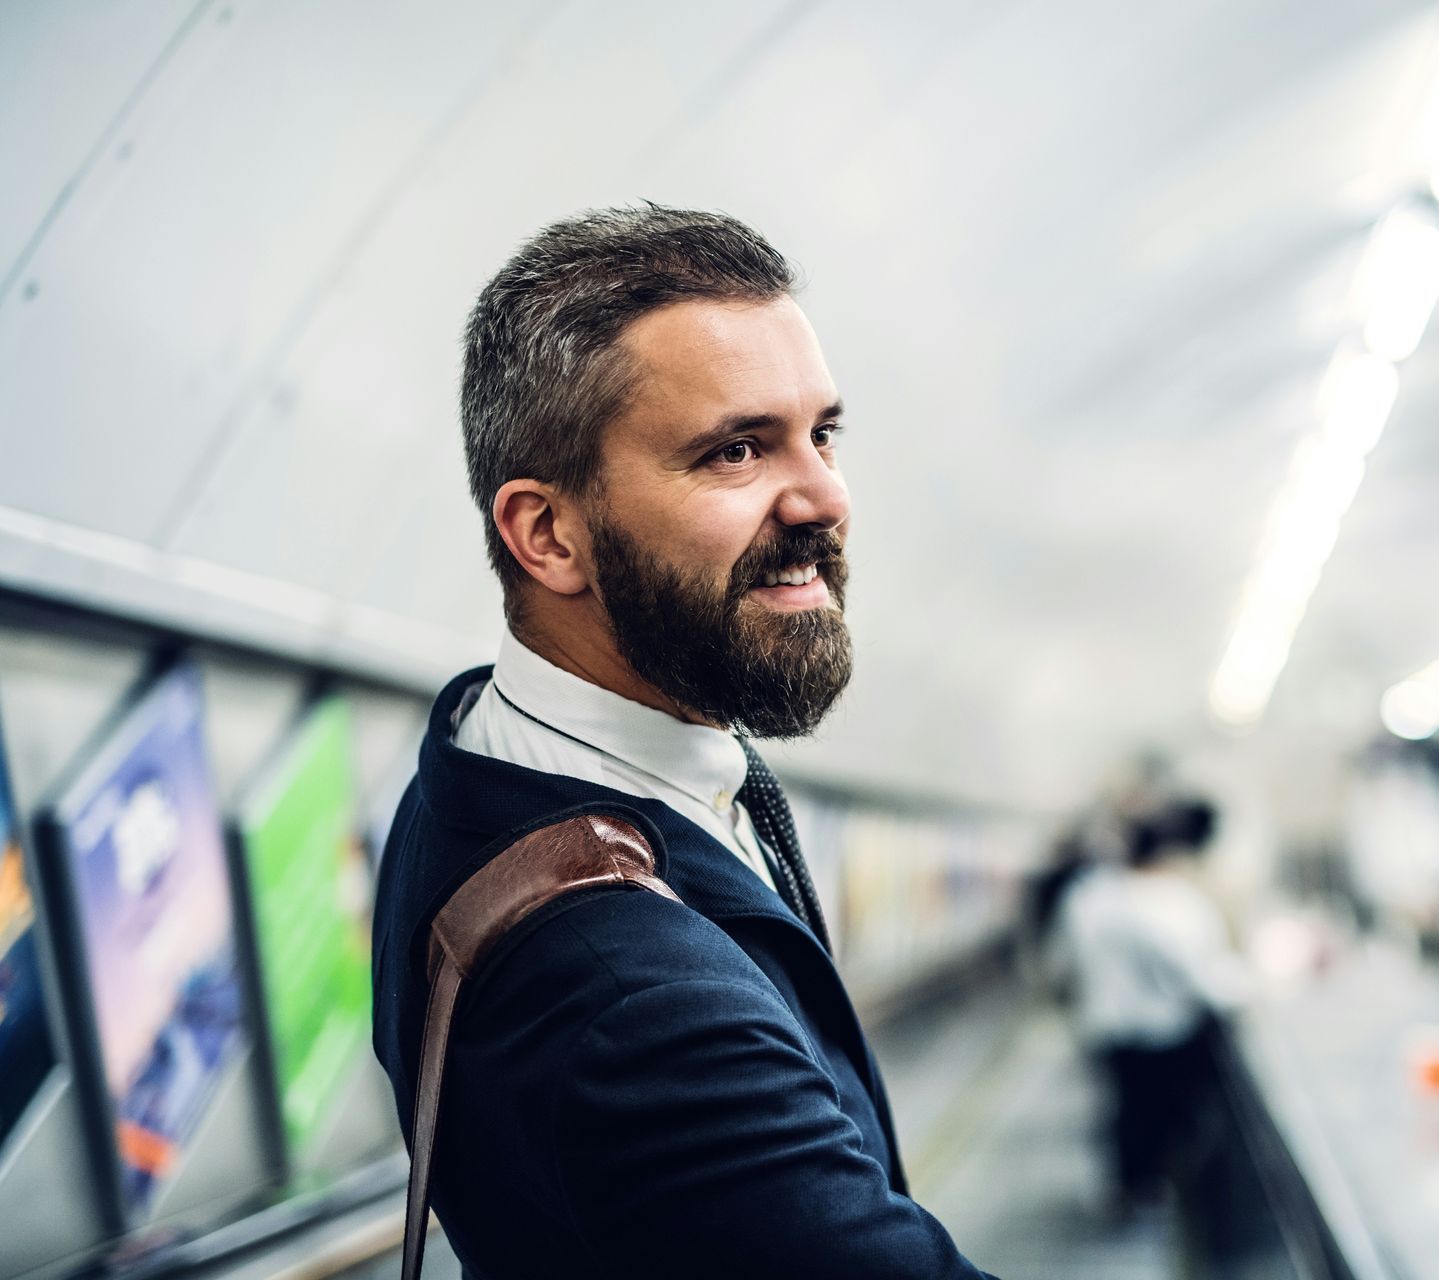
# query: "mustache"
(821, 547)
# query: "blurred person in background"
(1153, 974)
(1069, 859)
(1094, 841)
(1044, 955)
(1097, 838)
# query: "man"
(641, 1087)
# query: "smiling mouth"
(798, 587)
(795, 576)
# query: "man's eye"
(825, 435)
(735, 452)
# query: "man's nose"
(814, 493)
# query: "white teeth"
(792, 577)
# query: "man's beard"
(762, 672)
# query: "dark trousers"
(1162, 1104)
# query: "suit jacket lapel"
(710, 879)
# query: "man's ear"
(543, 530)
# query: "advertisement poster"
(26, 1051)
(309, 889)
(146, 862)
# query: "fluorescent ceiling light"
(1304, 520)
(1410, 709)
(1398, 281)
(1303, 527)
(1397, 286)
(1356, 397)
(1257, 652)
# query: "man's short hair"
(543, 375)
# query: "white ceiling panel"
(69, 72)
(152, 307)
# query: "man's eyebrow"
(739, 423)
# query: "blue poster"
(148, 866)
(26, 1052)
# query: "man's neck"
(583, 645)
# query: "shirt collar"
(706, 764)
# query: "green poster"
(309, 891)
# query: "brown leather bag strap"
(441, 1008)
(587, 852)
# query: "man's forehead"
(726, 357)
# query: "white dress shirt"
(534, 714)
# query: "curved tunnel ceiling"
(1077, 274)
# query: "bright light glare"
(1356, 398)
(1429, 138)
(1398, 282)
(1410, 709)
(1257, 652)
(1303, 527)
(1305, 518)
(1396, 287)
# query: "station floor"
(996, 1112)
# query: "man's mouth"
(796, 576)
(799, 586)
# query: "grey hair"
(543, 372)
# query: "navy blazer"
(637, 1087)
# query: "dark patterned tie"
(769, 812)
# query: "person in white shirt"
(1153, 970)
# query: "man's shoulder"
(632, 940)
(625, 938)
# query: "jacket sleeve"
(696, 1135)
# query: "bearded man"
(642, 1086)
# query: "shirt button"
(723, 800)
